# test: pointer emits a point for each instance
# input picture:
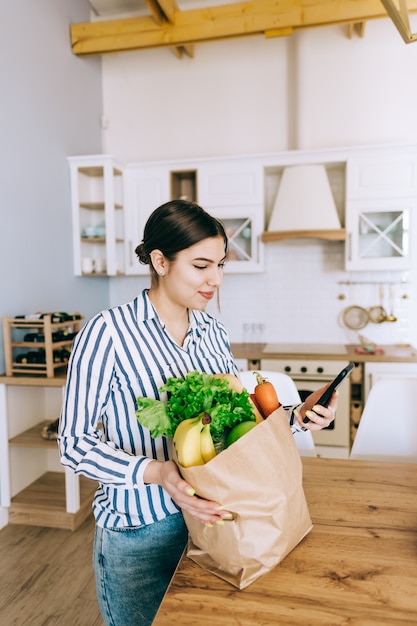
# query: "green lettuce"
(188, 397)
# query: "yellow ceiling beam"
(399, 16)
(169, 8)
(164, 11)
(220, 22)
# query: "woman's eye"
(221, 265)
(200, 267)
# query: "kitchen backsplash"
(297, 300)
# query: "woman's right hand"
(167, 475)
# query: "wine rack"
(39, 346)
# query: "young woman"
(130, 351)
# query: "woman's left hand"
(320, 417)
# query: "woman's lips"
(207, 294)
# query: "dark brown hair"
(175, 226)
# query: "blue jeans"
(133, 568)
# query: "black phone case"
(326, 397)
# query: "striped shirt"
(119, 355)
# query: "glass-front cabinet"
(230, 191)
(381, 210)
(379, 234)
(97, 191)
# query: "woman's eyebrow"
(205, 260)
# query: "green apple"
(238, 431)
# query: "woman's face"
(194, 277)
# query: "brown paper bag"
(259, 479)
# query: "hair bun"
(142, 255)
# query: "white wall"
(220, 102)
(50, 108)
(316, 89)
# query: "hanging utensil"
(355, 317)
(378, 314)
(391, 317)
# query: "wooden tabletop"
(358, 565)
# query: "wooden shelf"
(36, 369)
(93, 239)
(33, 381)
(330, 235)
(35, 345)
(43, 503)
(97, 170)
(31, 438)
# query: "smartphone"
(326, 396)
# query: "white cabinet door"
(379, 371)
(243, 227)
(380, 234)
(237, 182)
(392, 174)
(146, 189)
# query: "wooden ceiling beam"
(220, 22)
(164, 11)
(399, 16)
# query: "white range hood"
(304, 201)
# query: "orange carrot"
(266, 396)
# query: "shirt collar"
(147, 311)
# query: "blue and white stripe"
(119, 355)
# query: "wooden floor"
(46, 576)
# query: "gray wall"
(50, 107)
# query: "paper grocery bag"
(259, 479)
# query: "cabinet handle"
(350, 246)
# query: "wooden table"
(357, 567)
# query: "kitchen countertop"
(331, 352)
(356, 566)
(259, 351)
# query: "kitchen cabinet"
(374, 190)
(385, 172)
(229, 190)
(380, 234)
(147, 187)
(98, 215)
(34, 487)
(232, 191)
(230, 183)
(381, 210)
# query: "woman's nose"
(216, 277)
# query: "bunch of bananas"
(193, 441)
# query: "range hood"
(304, 202)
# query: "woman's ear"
(159, 262)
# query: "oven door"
(338, 434)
